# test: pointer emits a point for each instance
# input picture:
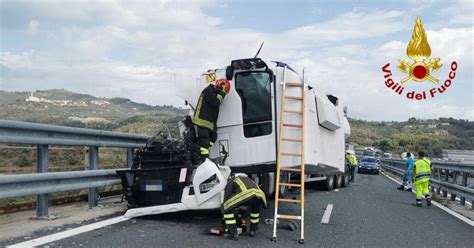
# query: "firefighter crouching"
(239, 191)
(206, 114)
(422, 179)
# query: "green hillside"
(414, 135)
(121, 114)
(62, 107)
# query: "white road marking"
(327, 214)
(337, 190)
(447, 210)
(69, 233)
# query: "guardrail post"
(464, 183)
(93, 165)
(446, 179)
(455, 181)
(129, 157)
(438, 189)
(41, 167)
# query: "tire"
(346, 178)
(265, 181)
(338, 181)
(329, 183)
(359, 171)
(283, 191)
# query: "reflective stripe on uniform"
(241, 184)
(231, 222)
(220, 98)
(255, 215)
(198, 121)
(204, 151)
(203, 123)
(228, 216)
(254, 221)
(422, 175)
(242, 196)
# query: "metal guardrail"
(42, 135)
(440, 181)
(44, 183)
(17, 132)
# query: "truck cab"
(249, 119)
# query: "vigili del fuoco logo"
(421, 68)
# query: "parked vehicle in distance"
(387, 155)
(369, 152)
(369, 165)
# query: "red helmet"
(221, 82)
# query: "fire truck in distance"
(248, 134)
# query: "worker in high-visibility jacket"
(421, 178)
(206, 114)
(239, 191)
(352, 161)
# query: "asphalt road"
(369, 213)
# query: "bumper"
(368, 170)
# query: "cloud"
(33, 26)
(133, 50)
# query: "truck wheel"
(268, 184)
(329, 182)
(346, 178)
(284, 189)
(338, 181)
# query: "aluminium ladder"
(281, 154)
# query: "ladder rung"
(289, 200)
(291, 185)
(293, 111)
(294, 97)
(289, 217)
(292, 139)
(294, 84)
(291, 154)
(290, 169)
(292, 125)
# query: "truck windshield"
(254, 89)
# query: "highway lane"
(371, 213)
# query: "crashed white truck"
(166, 177)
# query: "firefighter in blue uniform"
(206, 114)
(242, 191)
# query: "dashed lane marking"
(447, 210)
(327, 214)
(337, 190)
(69, 233)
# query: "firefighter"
(421, 177)
(242, 191)
(352, 160)
(206, 114)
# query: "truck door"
(255, 92)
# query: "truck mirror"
(229, 72)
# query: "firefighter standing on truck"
(239, 191)
(422, 179)
(352, 160)
(206, 114)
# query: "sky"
(136, 49)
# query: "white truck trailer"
(249, 119)
(163, 178)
